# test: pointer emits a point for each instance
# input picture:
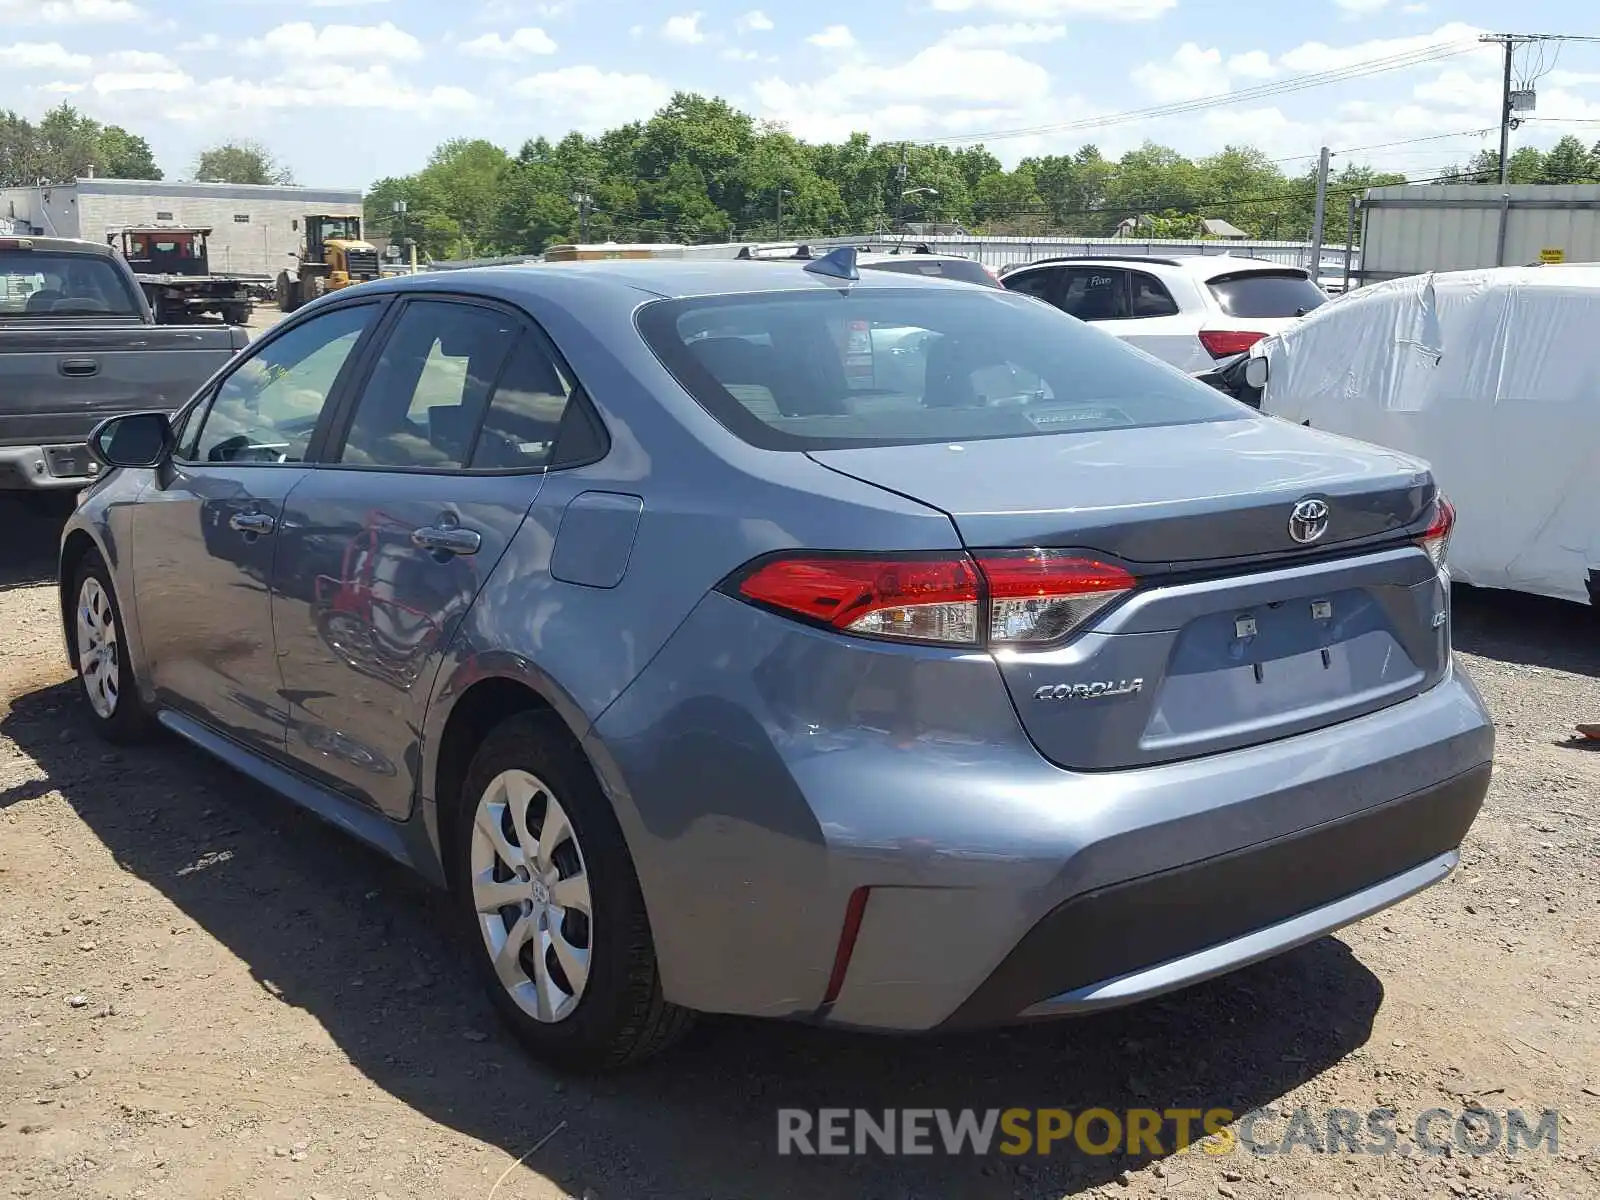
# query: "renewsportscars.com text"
(1101, 1131)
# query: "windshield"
(870, 366)
(1267, 294)
(38, 283)
(341, 229)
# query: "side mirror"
(141, 439)
(1256, 371)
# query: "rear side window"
(881, 366)
(426, 395)
(1267, 294)
(1150, 297)
(38, 283)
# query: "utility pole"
(1321, 209)
(900, 183)
(583, 200)
(1505, 111)
(1350, 239)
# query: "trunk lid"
(1238, 633)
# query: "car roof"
(1201, 266)
(669, 278)
(59, 244)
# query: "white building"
(254, 228)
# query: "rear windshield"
(1267, 294)
(38, 283)
(963, 269)
(871, 367)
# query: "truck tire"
(236, 314)
(287, 293)
(161, 309)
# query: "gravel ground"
(205, 993)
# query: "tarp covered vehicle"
(1493, 376)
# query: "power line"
(1296, 83)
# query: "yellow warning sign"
(1552, 255)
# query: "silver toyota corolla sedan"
(790, 640)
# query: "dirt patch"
(205, 993)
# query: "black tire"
(287, 293)
(621, 1016)
(129, 720)
(236, 314)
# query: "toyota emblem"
(1308, 521)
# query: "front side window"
(267, 408)
(427, 395)
(1039, 283)
(881, 366)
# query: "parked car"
(1189, 311)
(1490, 376)
(712, 676)
(78, 344)
(912, 258)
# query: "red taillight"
(16, 244)
(1220, 343)
(1436, 538)
(1030, 597)
(1042, 595)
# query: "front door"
(208, 529)
(385, 546)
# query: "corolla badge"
(1308, 521)
(1089, 691)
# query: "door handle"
(448, 539)
(257, 522)
(78, 368)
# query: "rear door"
(388, 543)
(1157, 325)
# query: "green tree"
(1568, 162)
(126, 156)
(241, 162)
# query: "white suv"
(1188, 311)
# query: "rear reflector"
(1220, 343)
(1435, 540)
(853, 912)
(998, 598)
(16, 244)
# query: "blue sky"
(346, 91)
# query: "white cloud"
(206, 41)
(587, 98)
(1318, 56)
(685, 29)
(734, 54)
(524, 43)
(61, 88)
(1460, 90)
(1562, 78)
(63, 12)
(344, 3)
(141, 81)
(1252, 64)
(66, 12)
(1412, 10)
(311, 86)
(1111, 10)
(1191, 72)
(42, 56)
(1361, 8)
(139, 60)
(942, 91)
(300, 40)
(754, 21)
(1003, 35)
(834, 37)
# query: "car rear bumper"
(1164, 931)
(30, 468)
(764, 774)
